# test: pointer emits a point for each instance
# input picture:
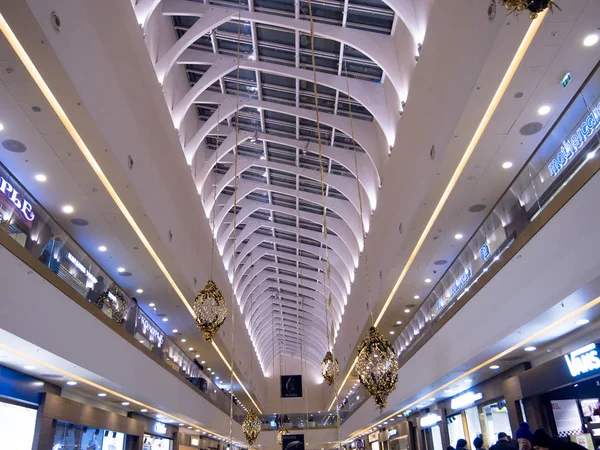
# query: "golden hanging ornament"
(377, 366)
(535, 7)
(210, 310)
(330, 368)
(251, 427)
(282, 431)
(112, 303)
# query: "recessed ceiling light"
(197, 356)
(507, 164)
(143, 410)
(184, 340)
(495, 367)
(582, 322)
(407, 310)
(416, 297)
(427, 280)
(397, 323)
(121, 269)
(140, 291)
(530, 349)
(175, 330)
(432, 399)
(152, 305)
(38, 383)
(165, 319)
(181, 424)
(71, 383)
(458, 236)
(191, 349)
(202, 362)
(102, 248)
(41, 178)
(468, 380)
(591, 39)
(392, 332)
(189, 428)
(125, 403)
(68, 209)
(543, 110)
(29, 367)
(102, 394)
(1, 126)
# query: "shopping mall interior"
(235, 224)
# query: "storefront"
(430, 431)
(400, 435)
(563, 395)
(157, 435)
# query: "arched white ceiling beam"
(248, 207)
(315, 263)
(261, 265)
(342, 208)
(319, 252)
(144, 9)
(318, 291)
(364, 132)
(345, 185)
(367, 175)
(249, 285)
(334, 243)
(311, 355)
(315, 349)
(379, 48)
(367, 93)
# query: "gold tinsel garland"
(251, 427)
(377, 366)
(330, 368)
(210, 310)
(115, 309)
(533, 6)
(283, 430)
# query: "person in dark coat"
(504, 443)
(478, 443)
(524, 436)
(461, 444)
(543, 441)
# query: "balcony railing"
(29, 224)
(298, 421)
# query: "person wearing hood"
(461, 444)
(504, 443)
(524, 436)
(542, 441)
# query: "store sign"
(195, 442)
(571, 146)
(374, 436)
(565, 79)
(583, 360)
(391, 433)
(82, 268)
(465, 400)
(150, 331)
(159, 428)
(17, 199)
(459, 283)
(430, 420)
(484, 252)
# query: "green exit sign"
(566, 79)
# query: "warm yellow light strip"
(118, 395)
(41, 83)
(508, 76)
(487, 363)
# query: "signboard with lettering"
(583, 360)
(291, 386)
(292, 442)
(150, 331)
(484, 252)
(465, 400)
(16, 200)
(159, 428)
(430, 420)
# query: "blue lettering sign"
(459, 283)
(484, 252)
(571, 146)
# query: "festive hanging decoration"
(282, 431)
(330, 368)
(112, 303)
(535, 7)
(377, 366)
(251, 427)
(210, 309)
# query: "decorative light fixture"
(535, 7)
(112, 303)
(251, 427)
(210, 309)
(330, 368)
(282, 431)
(377, 366)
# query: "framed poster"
(291, 386)
(292, 441)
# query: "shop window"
(495, 421)
(17, 425)
(436, 438)
(69, 436)
(456, 429)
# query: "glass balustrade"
(28, 223)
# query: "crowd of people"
(525, 439)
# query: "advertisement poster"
(291, 386)
(292, 441)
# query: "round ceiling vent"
(125, 274)
(476, 208)
(36, 108)
(52, 376)
(412, 305)
(440, 262)
(80, 222)
(14, 146)
(531, 128)
(518, 94)
(161, 315)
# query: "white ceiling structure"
(279, 269)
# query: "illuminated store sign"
(393, 432)
(484, 252)
(82, 268)
(151, 332)
(16, 198)
(465, 400)
(583, 360)
(570, 147)
(430, 420)
(160, 428)
(459, 283)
